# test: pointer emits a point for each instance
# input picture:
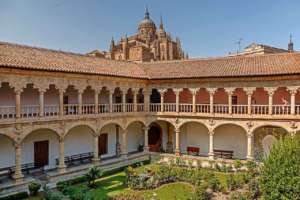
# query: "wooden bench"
(83, 157)
(9, 171)
(227, 154)
(193, 151)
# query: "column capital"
(229, 90)
(211, 132)
(293, 89)
(194, 90)
(249, 90)
(270, 90)
(146, 128)
(177, 90)
(211, 91)
(162, 91)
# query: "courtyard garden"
(278, 177)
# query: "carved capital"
(249, 90)
(211, 91)
(293, 125)
(194, 90)
(162, 91)
(293, 89)
(270, 90)
(229, 90)
(177, 91)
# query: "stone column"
(135, 95)
(194, 93)
(293, 91)
(249, 146)
(124, 150)
(111, 93)
(177, 93)
(249, 91)
(97, 91)
(96, 157)
(61, 165)
(177, 140)
(229, 92)
(211, 92)
(146, 94)
(170, 139)
(61, 102)
(271, 91)
(146, 143)
(118, 145)
(18, 103)
(80, 102)
(211, 145)
(162, 92)
(124, 100)
(18, 176)
(41, 102)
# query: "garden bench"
(227, 154)
(193, 150)
(83, 157)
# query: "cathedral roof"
(32, 58)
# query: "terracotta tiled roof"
(25, 57)
(260, 65)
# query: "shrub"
(131, 196)
(214, 183)
(237, 165)
(34, 188)
(51, 195)
(251, 166)
(280, 173)
(93, 174)
(20, 195)
(201, 193)
(253, 189)
(232, 183)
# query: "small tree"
(280, 174)
(93, 174)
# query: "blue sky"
(206, 27)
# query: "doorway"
(41, 153)
(154, 138)
(103, 144)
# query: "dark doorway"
(154, 138)
(41, 153)
(103, 140)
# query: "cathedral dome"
(147, 23)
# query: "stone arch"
(27, 133)
(135, 136)
(233, 138)
(193, 121)
(117, 122)
(133, 121)
(270, 124)
(41, 137)
(194, 137)
(7, 145)
(171, 121)
(163, 133)
(91, 128)
(8, 134)
(230, 123)
(260, 133)
(77, 124)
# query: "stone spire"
(147, 15)
(112, 44)
(291, 44)
(161, 26)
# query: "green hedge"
(17, 196)
(81, 179)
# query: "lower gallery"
(61, 113)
